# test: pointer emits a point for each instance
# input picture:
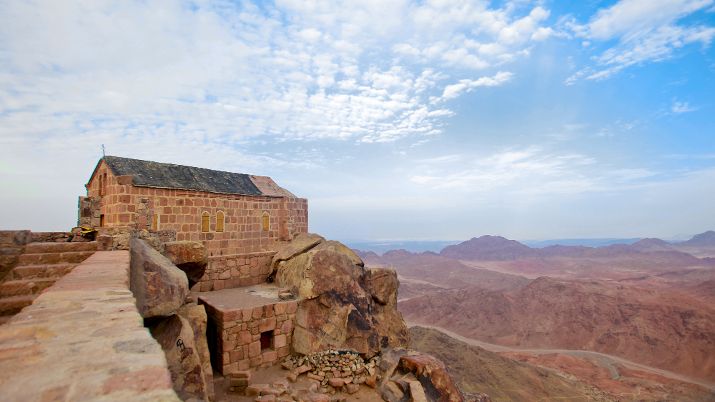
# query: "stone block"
(279, 341)
(236, 355)
(283, 352)
(279, 308)
(267, 324)
(158, 286)
(254, 349)
(287, 327)
(229, 345)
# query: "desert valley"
(619, 322)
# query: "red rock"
(196, 316)
(336, 382)
(371, 381)
(176, 337)
(429, 369)
(158, 286)
(382, 284)
(336, 310)
(302, 369)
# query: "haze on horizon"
(438, 120)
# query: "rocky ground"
(662, 329)
(340, 376)
(476, 370)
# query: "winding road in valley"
(610, 362)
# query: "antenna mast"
(103, 155)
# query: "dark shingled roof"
(167, 175)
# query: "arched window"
(103, 184)
(266, 222)
(219, 221)
(205, 221)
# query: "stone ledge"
(83, 339)
(242, 255)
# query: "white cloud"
(681, 107)
(454, 90)
(528, 172)
(644, 31)
(226, 71)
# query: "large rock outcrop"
(195, 314)
(158, 285)
(189, 256)
(342, 304)
(176, 337)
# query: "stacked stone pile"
(341, 370)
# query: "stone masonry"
(247, 332)
(126, 205)
(83, 339)
(233, 271)
(240, 231)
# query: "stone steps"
(10, 250)
(37, 268)
(60, 247)
(55, 271)
(74, 257)
(25, 286)
(10, 306)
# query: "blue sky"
(396, 119)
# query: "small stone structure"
(248, 327)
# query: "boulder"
(195, 314)
(391, 325)
(391, 392)
(189, 256)
(432, 375)
(158, 286)
(300, 244)
(176, 337)
(337, 309)
(382, 285)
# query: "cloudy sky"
(440, 119)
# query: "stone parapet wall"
(83, 339)
(50, 237)
(12, 244)
(233, 271)
(237, 335)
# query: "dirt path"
(603, 359)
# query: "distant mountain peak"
(702, 239)
(652, 244)
(488, 247)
